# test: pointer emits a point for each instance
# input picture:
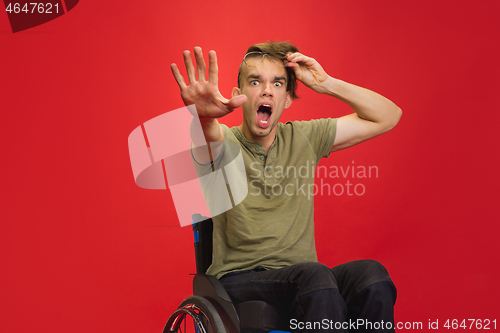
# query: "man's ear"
(288, 100)
(236, 92)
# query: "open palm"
(203, 93)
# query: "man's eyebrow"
(253, 76)
(257, 76)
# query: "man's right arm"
(209, 103)
(204, 144)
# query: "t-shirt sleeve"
(320, 133)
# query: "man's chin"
(263, 132)
(260, 132)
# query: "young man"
(264, 247)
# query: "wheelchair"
(210, 309)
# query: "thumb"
(296, 68)
(236, 102)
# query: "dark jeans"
(356, 296)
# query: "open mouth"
(264, 112)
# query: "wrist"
(331, 86)
(211, 129)
(208, 122)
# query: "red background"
(84, 249)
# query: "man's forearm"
(367, 104)
(211, 132)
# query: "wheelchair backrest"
(203, 242)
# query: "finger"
(213, 70)
(200, 63)
(189, 66)
(178, 76)
(298, 57)
(305, 61)
(290, 55)
(296, 68)
(236, 102)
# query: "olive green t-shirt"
(273, 226)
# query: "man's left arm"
(374, 114)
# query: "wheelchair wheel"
(195, 315)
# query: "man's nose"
(267, 89)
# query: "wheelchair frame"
(210, 309)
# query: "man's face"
(265, 88)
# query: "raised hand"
(204, 94)
(308, 71)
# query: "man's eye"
(278, 84)
(254, 83)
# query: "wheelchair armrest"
(209, 287)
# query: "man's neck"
(266, 141)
